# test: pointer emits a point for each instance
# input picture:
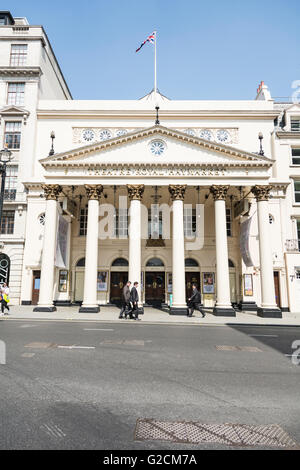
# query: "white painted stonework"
(204, 144)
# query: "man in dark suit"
(134, 299)
(195, 302)
(126, 307)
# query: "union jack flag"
(150, 38)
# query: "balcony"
(292, 245)
(10, 194)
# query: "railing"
(10, 194)
(292, 245)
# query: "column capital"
(93, 191)
(52, 191)
(261, 192)
(177, 191)
(219, 192)
(135, 191)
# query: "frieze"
(159, 171)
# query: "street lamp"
(5, 157)
(52, 136)
(260, 136)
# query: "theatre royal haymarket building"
(228, 168)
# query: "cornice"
(66, 157)
(288, 135)
(21, 71)
(164, 114)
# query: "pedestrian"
(134, 299)
(126, 307)
(195, 302)
(4, 298)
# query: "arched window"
(155, 262)
(230, 264)
(81, 263)
(120, 262)
(191, 263)
(4, 268)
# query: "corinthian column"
(268, 307)
(45, 304)
(135, 193)
(90, 303)
(223, 305)
(178, 267)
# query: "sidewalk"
(151, 316)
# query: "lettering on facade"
(164, 171)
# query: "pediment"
(135, 148)
(295, 107)
(14, 110)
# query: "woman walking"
(4, 298)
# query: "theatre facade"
(98, 215)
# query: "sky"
(206, 50)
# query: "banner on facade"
(62, 243)
(244, 242)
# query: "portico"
(194, 171)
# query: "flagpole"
(155, 76)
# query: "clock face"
(190, 132)
(205, 134)
(121, 132)
(88, 135)
(105, 134)
(157, 147)
(222, 136)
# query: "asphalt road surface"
(69, 385)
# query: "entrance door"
(117, 282)
(155, 288)
(36, 287)
(79, 284)
(232, 288)
(190, 279)
(277, 290)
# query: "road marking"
(98, 329)
(53, 430)
(125, 342)
(223, 347)
(28, 326)
(39, 345)
(76, 347)
(28, 354)
(270, 336)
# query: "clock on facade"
(157, 147)
(88, 135)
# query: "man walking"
(4, 295)
(134, 299)
(126, 307)
(194, 302)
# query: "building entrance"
(190, 279)
(36, 287)
(155, 288)
(117, 282)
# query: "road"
(84, 385)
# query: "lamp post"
(5, 157)
(260, 136)
(52, 136)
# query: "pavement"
(73, 385)
(151, 316)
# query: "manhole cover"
(38, 345)
(228, 434)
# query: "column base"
(45, 309)
(250, 306)
(224, 312)
(89, 309)
(269, 312)
(62, 303)
(178, 311)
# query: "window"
(120, 262)
(228, 223)
(11, 183)
(189, 222)
(12, 136)
(121, 223)
(155, 262)
(296, 156)
(297, 191)
(295, 124)
(18, 55)
(298, 233)
(83, 221)
(7, 222)
(154, 222)
(191, 263)
(15, 94)
(2, 21)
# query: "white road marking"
(28, 354)
(76, 347)
(98, 329)
(28, 326)
(271, 336)
(53, 430)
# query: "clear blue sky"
(218, 49)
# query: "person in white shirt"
(4, 298)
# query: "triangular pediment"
(137, 148)
(14, 110)
(295, 107)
